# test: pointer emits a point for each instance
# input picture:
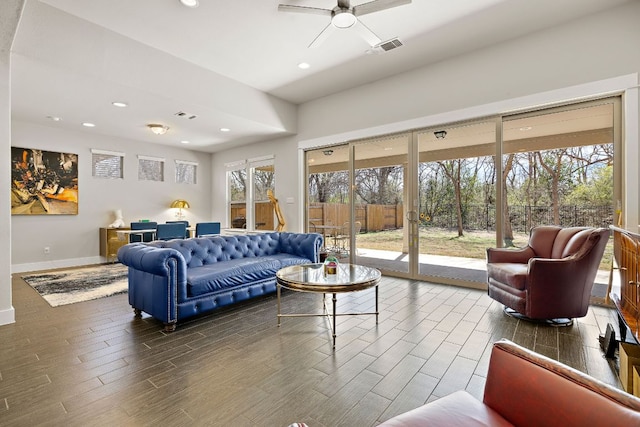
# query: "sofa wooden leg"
(170, 327)
(137, 313)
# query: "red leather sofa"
(524, 388)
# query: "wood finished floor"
(92, 363)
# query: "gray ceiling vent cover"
(385, 46)
(390, 44)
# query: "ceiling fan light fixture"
(190, 3)
(158, 129)
(343, 19)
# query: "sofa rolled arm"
(157, 280)
(150, 259)
(556, 394)
(302, 244)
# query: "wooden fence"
(371, 217)
(264, 215)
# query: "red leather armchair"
(552, 277)
(524, 388)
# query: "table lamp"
(180, 204)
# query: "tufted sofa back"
(199, 251)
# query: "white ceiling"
(233, 63)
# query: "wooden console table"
(626, 256)
(110, 243)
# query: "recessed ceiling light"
(119, 104)
(54, 118)
(225, 130)
(304, 65)
(184, 141)
(189, 3)
(88, 125)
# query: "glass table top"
(312, 278)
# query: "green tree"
(597, 191)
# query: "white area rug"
(63, 287)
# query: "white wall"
(520, 73)
(288, 184)
(580, 59)
(10, 12)
(588, 57)
(594, 48)
(74, 239)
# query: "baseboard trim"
(7, 316)
(62, 263)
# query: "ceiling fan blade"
(366, 33)
(324, 34)
(377, 5)
(303, 9)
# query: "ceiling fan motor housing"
(343, 18)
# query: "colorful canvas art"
(43, 182)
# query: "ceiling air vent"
(390, 44)
(184, 114)
(386, 46)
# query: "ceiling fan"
(345, 16)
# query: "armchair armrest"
(502, 255)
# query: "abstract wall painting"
(43, 182)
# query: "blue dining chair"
(145, 237)
(186, 224)
(171, 231)
(207, 228)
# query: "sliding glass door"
(426, 204)
(456, 185)
(559, 167)
(382, 234)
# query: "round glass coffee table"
(312, 278)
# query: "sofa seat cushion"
(512, 274)
(286, 260)
(236, 272)
(456, 409)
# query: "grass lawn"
(438, 241)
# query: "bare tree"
(452, 169)
(379, 185)
(554, 169)
(508, 229)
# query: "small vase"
(331, 265)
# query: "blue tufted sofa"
(176, 279)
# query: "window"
(248, 182)
(263, 179)
(186, 172)
(107, 164)
(237, 193)
(150, 168)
